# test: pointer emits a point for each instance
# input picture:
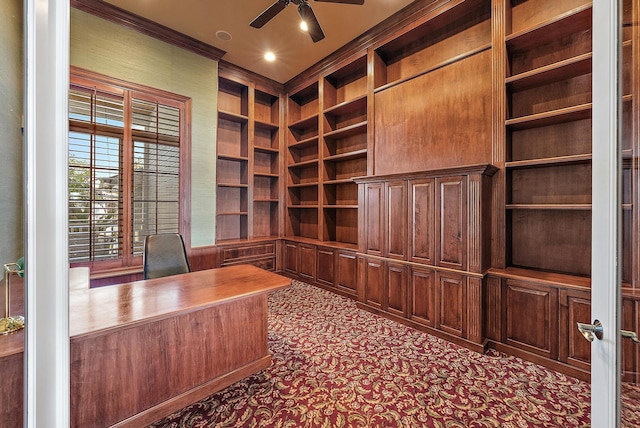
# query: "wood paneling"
(107, 386)
(532, 317)
(396, 221)
(452, 299)
(374, 218)
(422, 296)
(347, 271)
(396, 286)
(374, 282)
(326, 266)
(575, 307)
(291, 258)
(308, 262)
(451, 218)
(493, 309)
(421, 221)
(418, 123)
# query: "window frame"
(128, 90)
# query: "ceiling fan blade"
(360, 2)
(268, 14)
(307, 15)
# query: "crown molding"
(127, 19)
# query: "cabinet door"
(396, 287)
(452, 303)
(422, 296)
(373, 282)
(374, 218)
(346, 277)
(291, 258)
(396, 221)
(326, 266)
(451, 219)
(532, 317)
(575, 306)
(308, 262)
(421, 221)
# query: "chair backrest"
(164, 255)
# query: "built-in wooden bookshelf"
(327, 147)
(548, 164)
(249, 160)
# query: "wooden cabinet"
(575, 307)
(346, 272)
(396, 220)
(422, 296)
(427, 232)
(422, 221)
(308, 262)
(248, 158)
(532, 318)
(258, 253)
(451, 220)
(452, 301)
(326, 268)
(332, 267)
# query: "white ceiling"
(295, 51)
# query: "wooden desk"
(144, 349)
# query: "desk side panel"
(124, 372)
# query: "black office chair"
(164, 255)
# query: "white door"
(615, 226)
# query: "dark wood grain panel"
(422, 296)
(532, 317)
(554, 240)
(373, 282)
(308, 262)
(396, 298)
(475, 309)
(452, 302)
(396, 223)
(451, 219)
(493, 309)
(575, 307)
(326, 266)
(346, 274)
(108, 386)
(418, 123)
(291, 258)
(11, 367)
(422, 221)
(374, 218)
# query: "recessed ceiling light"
(270, 56)
(223, 35)
(304, 26)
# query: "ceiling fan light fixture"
(303, 26)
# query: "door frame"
(606, 198)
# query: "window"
(128, 169)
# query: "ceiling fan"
(305, 12)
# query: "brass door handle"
(589, 331)
(630, 335)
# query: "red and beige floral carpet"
(337, 366)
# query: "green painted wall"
(110, 49)
(11, 142)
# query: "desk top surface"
(99, 310)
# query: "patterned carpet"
(337, 366)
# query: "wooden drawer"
(247, 251)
